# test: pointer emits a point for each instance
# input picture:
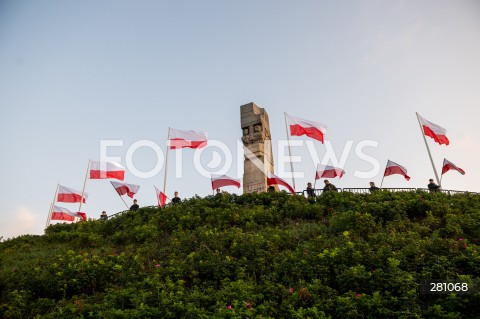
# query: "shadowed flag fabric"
(191, 139)
(447, 165)
(162, 198)
(70, 195)
(275, 180)
(223, 180)
(103, 170)
(299, 127)
(394, 168)
(327, 171)
(438, 133)
(123, 188)
(61, 213)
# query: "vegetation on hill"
(267, 255)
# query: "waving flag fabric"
(103, 170)
(275, 180)
(161, 197)
(70, 195)
(60, 213)
(394, 168)
(191, 139)
(123, 188)
(299, 127)
(223, 180)
(447, 165)
(438, 133)
(327, 171)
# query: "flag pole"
(289, 150)
(428, 149)
(51, 208)
(84, 184)
(381, 184)
(166, 163)
(119, 195)
(382, 180)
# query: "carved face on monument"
(245, 131)
(258, 127)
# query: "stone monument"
(258, 148)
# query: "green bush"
(269, 255)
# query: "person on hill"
(432, 187)
(176, 199)
(373, 187)
(310, 190)
(135, 206)
(104, 216)
(329, 187)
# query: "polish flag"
(103, 170)
(69, 195)
(60, 213)
(438, 133)
(123, 188)
(162, 198)
(299, 127)
(394, 168)
(447, 165)
(181, 139)
(223, 180)
(275, 180)
(327, 171)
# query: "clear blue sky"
(73, 73)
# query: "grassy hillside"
(257, 255)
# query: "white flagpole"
(289, 150)
(158, 195)
(166, 163)
(84, 185)
(119, 195)
(428, 149)
(381, 184)
(51, 208)
(382, 180)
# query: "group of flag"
(178, 139)
(317, 131)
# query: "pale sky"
(75, 73)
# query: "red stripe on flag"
(274, 180)
(176, 143)
(396, 170)
(440, 139)
(62, 216)
(298, 130)
(97, 174)
(70, 198)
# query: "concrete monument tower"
(257, 146)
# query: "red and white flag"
(327, 171)
(123, 188)
(223, 180)
(275, 180)
(60, 213)
(103, 170)
(438, 133)
(69, 195)
(447, 165)
(181, 139)
(299, 127)
(394, 168)
(161, 197)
